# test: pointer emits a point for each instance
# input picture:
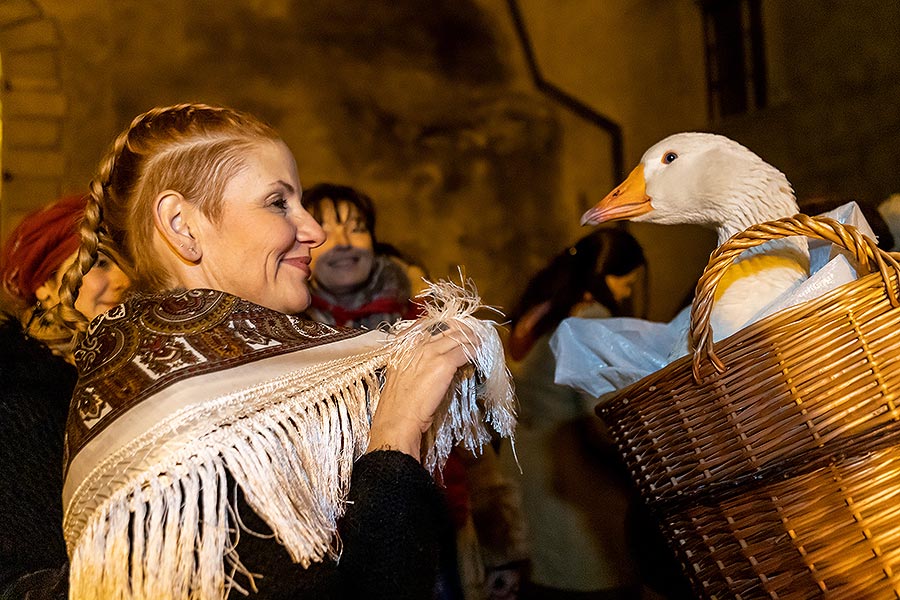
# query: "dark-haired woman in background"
(574, 498)
(360, 281)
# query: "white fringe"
(168, 532)
(152, 542)
(480, 394)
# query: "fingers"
(455, 337)
(414, 390)
(457, 351)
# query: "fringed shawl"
(177, 390)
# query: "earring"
(37, 312)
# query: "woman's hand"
(413, 392)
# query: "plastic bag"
(601, 356)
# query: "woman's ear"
(172, 215)
(47, 294)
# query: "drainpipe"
(567, 100)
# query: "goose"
(710, 180)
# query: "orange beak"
(628, 200)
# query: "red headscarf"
(37, 247)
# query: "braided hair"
(194, 149)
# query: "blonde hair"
(194, 149)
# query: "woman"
(212, 437)
(357, 281)
(37, 383)
(598, 275)
(574, 500)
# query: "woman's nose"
(118, 279)
(339, 235)
(308, 230)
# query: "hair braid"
(90, 230)
(191, 148)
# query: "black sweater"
(396, 533)
(34, 402)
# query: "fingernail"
(438, 328)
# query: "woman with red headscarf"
(37, 386)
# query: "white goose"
(710, 180)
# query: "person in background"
(597, 277)
(574, 496)
(216, 441)
(361, 282)
(357, 281)
(38, 380)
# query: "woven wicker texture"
(770, 456)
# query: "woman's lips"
(343, 262)
(300, 262)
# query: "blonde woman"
(215, 441)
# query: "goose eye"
(668, 157)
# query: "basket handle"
(864, 249)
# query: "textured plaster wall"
(833, 124)
(434, 113)
(640, 63)
(425, 110)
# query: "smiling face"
(258, 248)
(344, 262)
(101, 288)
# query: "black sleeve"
(44, 584)
(396, 532)
(34, 400)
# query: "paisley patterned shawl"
(176, 390)
(146, 344)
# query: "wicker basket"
(772, 458)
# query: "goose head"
(702, 179)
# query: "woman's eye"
(668, 157)
(280, 203)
